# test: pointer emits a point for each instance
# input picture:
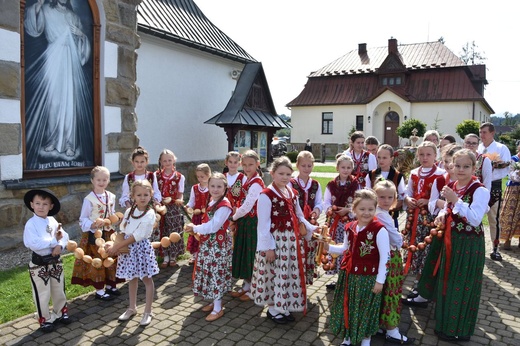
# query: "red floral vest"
(245, 188)
(343, 195)
(282, 216)
(363, 247)
(460, 224)
(220, 236)
(169, 187)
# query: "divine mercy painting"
(59, 130)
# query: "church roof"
(251, 103)
(183, 22)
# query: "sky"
(292, 38)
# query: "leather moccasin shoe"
(207, 308)
(215, 315)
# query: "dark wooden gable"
(392, 64)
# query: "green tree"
(405, 130)
(471, 55)
(466, 127)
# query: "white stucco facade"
(180, 88)
(307, 121)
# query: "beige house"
(375, 90)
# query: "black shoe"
(413, 293)
(331, 286)
(290, 317)
(64, 319)
(277, 318)
(105, 297)
(408, 341)
(412, 302)
(451, 338)
(47, 327)
(113, 292)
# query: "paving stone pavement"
(179, 321)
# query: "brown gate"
(391, 124)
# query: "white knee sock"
(217, 305)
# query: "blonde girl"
(419, 220)
(356, 306)
(459, 265)
(212, 272)
(364, 161)
(199, 196)
(139, 262)
(98, 205)
(171, 184)
(139, 162)
(278, 274)
(310, 199)
(234, 177)
(246, 223)
(391, 302)
(337, 201)
(385, 156)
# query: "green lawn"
(15, 290)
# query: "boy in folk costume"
(44, 236)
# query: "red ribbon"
(346, 265)
(447, 244)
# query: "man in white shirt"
(500, 171)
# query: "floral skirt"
(244, 248)
(418, 257)
(172, 221)
(85, 274)
(212, 272)
(139, 262)
(280, 283)
(339, 236)
(510, 214)
(392, 289)
(311, 270)
(364, 307)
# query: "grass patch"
(16, 293)
(324, 169)
(323, 183)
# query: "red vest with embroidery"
(478, 170)
(365, 254)
(220, 236)
(426, 185)
(342, 195)
(201, 198)
(310, 194)
(131, 178)
(245, 189)
(360, 167)
(460, 224)
(281, 214)
(169, 187)
(234, 191)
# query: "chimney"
(392, 46)
(362, 48)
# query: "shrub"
(292, 155)
(466, 127)
(405, 130)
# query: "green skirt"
(456, 311)
(428, 281)
(244, 248)
(392, 289)
(364, 307)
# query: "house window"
(391, 81)
(359, 123)
(326, 123)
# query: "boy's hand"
(56, 251)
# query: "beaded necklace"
(99, 199)
(134, 207)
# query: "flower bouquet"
(514, 171)
(496, 161)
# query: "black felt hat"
(29, 196)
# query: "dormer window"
(390, 81)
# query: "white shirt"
(252, 196)
(216, 222)
(39, 235)
(231, 178)
(396, 239)
(505, 155)
(475, 211)
(383, 246)
(318, 201)
(125, 193)
(140, 228)
(265, 238)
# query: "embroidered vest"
(201, 198)
(478, 170)
(245, 188)
(365, 254)
(131, 178)
(343, 195)
(169, 187)
(233, 193)
(282, 215)
(393, 175)
(220, 235)
(100, 210)
(360, 167)
(307, 198)
(460, 224)
(424, 190)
